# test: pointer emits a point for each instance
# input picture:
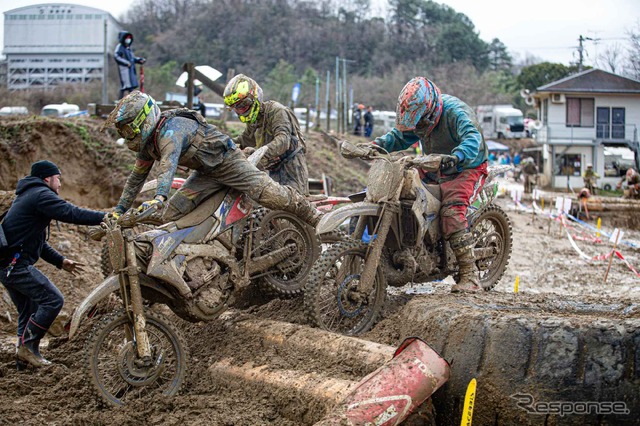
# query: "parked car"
(59, 110)
(14, 110)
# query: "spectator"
(358, 118)
(25, 228)
(368, 122)
(126, 61)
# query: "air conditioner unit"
(557, 98)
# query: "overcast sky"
(548, 29)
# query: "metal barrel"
(388, 395)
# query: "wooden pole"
(189, 68)
(606, 274)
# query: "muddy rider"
(25, 229)
(445, 125)
(183, 137)
(270, 124)
(632, 179)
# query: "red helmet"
(419, 99)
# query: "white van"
(500, 121)
(59, 110)
(14, 110)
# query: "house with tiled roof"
(583, 118)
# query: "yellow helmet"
(244, 96)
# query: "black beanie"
(43, 169)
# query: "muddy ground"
(550, 274)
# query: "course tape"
(567, 226)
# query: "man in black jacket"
(25, 229)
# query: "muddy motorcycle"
(195, 267)
(286, 279)
(399, 217)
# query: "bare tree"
(610, 59)
(633, 63)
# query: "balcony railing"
(559, 133)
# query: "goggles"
(243, 105)
(131, 129)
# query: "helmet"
(630, 172)
(135, 118)
(360, 106)
(419, 99)
(244, 96)
(589, 166)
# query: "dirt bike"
(197, 267)
(280, 281)
(399, 215)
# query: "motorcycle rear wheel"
(111, 359)
(331, 299)
(287, 279)
(493, 229)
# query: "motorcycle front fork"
(374, 252)
(132, 300)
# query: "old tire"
(492, 229)
(331, 299)
(109, 359)
(555, 350)
(288, 278)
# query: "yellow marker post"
(599, 226)
(469, 401)
(542, 200)
(516, 285)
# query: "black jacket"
(28, 218)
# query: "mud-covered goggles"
(243, 105)
(130, 129)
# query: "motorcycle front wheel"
(492, 230)
(116, 372)
(333, 297)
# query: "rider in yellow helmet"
(273, 125)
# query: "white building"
(583, 116)
(50, 44)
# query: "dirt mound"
(94, 168)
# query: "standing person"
(25, 229)
(530, 171)
(445, 125)
(368, 122)
(589, 178)
(273, 125)
(358, 119)
(183, 137)
(126, 61)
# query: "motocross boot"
(279, 197)
(462, 246)
(29, 351)
(20, 364)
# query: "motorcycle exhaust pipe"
(388, 395)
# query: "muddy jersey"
(457, 133)
(182, 137)
(277, 128)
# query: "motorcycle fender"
(99, 293)
(332, 220)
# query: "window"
(580, 112)
(568, 165)
(611, 123)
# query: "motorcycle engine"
(208, 285)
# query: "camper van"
(59, 110)
(500, 121)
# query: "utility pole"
(582, 39)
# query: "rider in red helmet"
(443, 124)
